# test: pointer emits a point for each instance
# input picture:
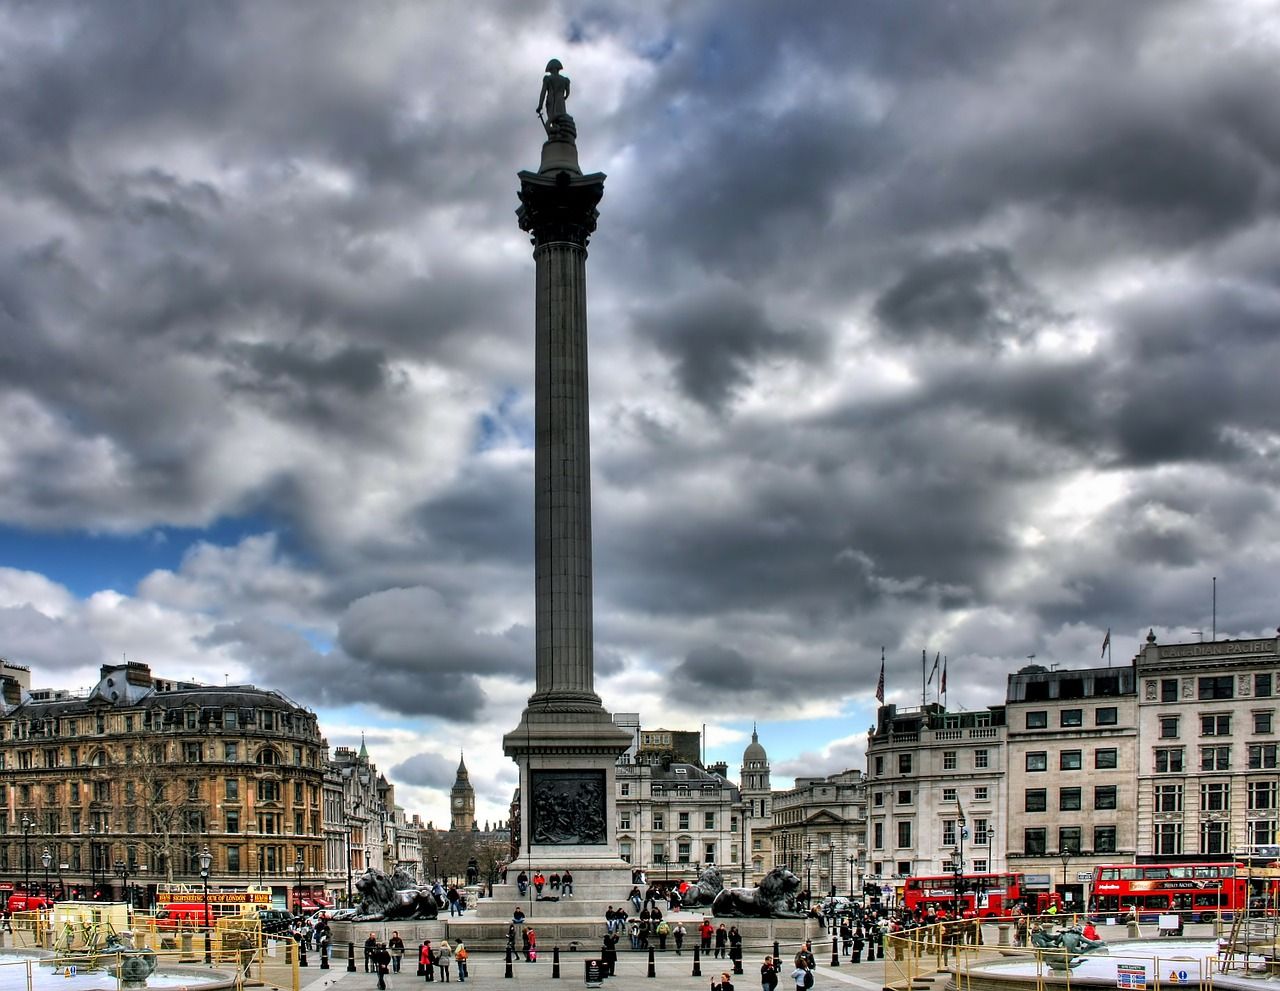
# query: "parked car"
(275, 921)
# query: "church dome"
(754, 751)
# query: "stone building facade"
(126, 785)
(1072, 790)
(819, 832)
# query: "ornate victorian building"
(127, 785)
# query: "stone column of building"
(566, 743)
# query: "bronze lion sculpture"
(773, 898)
(704, 890)
(384, 897)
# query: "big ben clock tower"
(462, 800)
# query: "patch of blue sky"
(504, 425)
(90, 562)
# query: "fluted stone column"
(566, 743)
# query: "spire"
(754, 736)
(364, 751)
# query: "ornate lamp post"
(299, 866)
(46, 859)
(26, 853)
(957, 867)
(93, 861)
(206, 859)
(808, 880)
(435, 866)
(1065, 855)
(122, 872)
(852, 860)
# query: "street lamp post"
(808, 880)
(1065, 856)
(46, 859)
(122, 871)
(206, 859)
(957, 868)
(300, 866)
(26, 854)
(435, 867)
(851, 863)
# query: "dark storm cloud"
(34, 639)
(425, 771)
(715, 339)
(970, 297)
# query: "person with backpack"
(663, 931)
(802, 975)
(460, 954)
(678, 934)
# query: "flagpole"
(924, 693)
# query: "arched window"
(268, 756)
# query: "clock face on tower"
(457, 803)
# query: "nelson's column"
(566, 743)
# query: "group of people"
(433, 964)
(559, 885)
(528, 939)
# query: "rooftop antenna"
(1031, 657)
(1215, 608)
(1200, 634)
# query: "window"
(1069, 799)
(192, 753)
(981, 759)
(1034, 842)
(1215, 796)
(1037, 760)
(948, 794)
(1262, 722)
(682, 821)
(1168, 838)
(1262, 832)
(1169, 760)
(733, 824)
(1213, 836)
(1104, 796)
(980, 866)
(1216, 687)
(659, 821)
(268, 791)
(683, 851)
(1168, 727)
(904, 763)
(231, 719)
(877, 799)
(624, 789)
(233, 821)
(233, 789)
(948, 760)
(1070, 760)
(1104, 839)
(1105, 758)
(948, 832)
(877, 832)
(1107, 715)
(980, 838)
(1169, 798)
(1039, 719)
(624, 820)
(1169, 690)
(1215, 758)
(1262, 685)
(1218, 724)
(709, 820)
(904, 797)
(1072, 717)
(1262, 795)
(980, 795)
(231, 752)
(904, 834)
(1069, 838)
(879, 766)
(1262, 755)
(1035, 800)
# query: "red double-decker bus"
(1199, 892)
(984, 895)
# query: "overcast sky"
(917, 325)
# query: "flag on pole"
(935, 666)
(880, 683)
(943, 687)
(1106, 642)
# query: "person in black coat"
(382, 964)
(609, 953)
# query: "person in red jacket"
(706, 932)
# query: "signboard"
(215, 897)
(593, 972)
(1084, 877)
(1039, 881)
(1178, 977)
(1132, 976)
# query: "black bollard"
(324, 957)
(835, 952)
(508, 973)
(652, 972)
(555, 962)
(302, 954)
(777, 956)
(697, 963)
(351, 958)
